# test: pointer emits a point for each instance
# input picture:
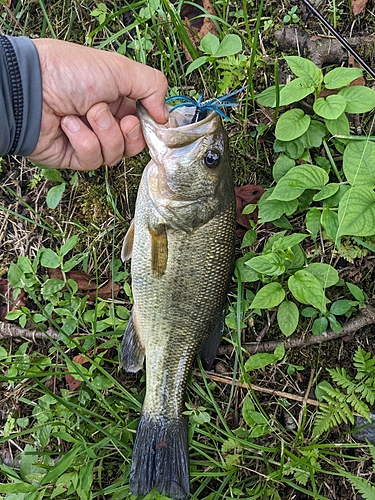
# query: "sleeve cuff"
(20, 95)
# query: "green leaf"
(359, 163)
(313, 221)
(306, 288)
(302, 67)
(271, 210)
(356, 214)
(296, 90)
(52, 174)
(52, 286)
(331, 107)
(196, 64)
(243, 271)
(269, 296)
(14, 276)
(288, 241)
(330, 223)
(340, 77)
(358, 99)
(230, 45)
(279, 351)
(320, 326)
(292, 124)
(68, 245)
(3, 353)
(309, 312)
(18, 487)
(287, 317)
(49, 258)
(282, 165)
(356, 292)
(270, 264)
(61, 466)
(267, 98)
(339, 126)
(209, 44)
(313, 137)
(340, 307)
(249, 209)
(294, 182)
(325, 273)
(362, 485)
(260, 360)
(24, 264)
(249, 238)
(54, 195)
(327, 191)
(101, 382)
(333, 201)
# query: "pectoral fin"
(127, 246)
(159, 250)
(132, 351)
(209, 348)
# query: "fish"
(181, 243)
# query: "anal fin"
(210, 347)
(132, 351)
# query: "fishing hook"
(202, 107)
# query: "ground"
(98, 208)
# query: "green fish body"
(181, 242)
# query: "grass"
(76, 444)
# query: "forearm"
(20, 96)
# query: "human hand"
(89, 114)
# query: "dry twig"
(280, 394)
(366, 317)
(10, 330)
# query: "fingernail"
(104, 119)
(134, 133)
(72, 123)
(166, 113)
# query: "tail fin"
(160, 457)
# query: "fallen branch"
(280, 394)
(365, 318)
(10, 330)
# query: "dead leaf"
(352, 63)
(81, 359)
(83, 280)
(326, 92)
(198, 26)
(247, 195)
(358, 6)
(106, 290)
(7, 300)
(73, 384)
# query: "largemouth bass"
(181, 242)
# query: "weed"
(75, 441)
(291, 16)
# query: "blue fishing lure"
(202, 107)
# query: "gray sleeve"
(20, 96)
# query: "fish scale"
(181, 243)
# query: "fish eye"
(212, 158)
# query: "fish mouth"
(179, 130)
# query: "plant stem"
(332, 161)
